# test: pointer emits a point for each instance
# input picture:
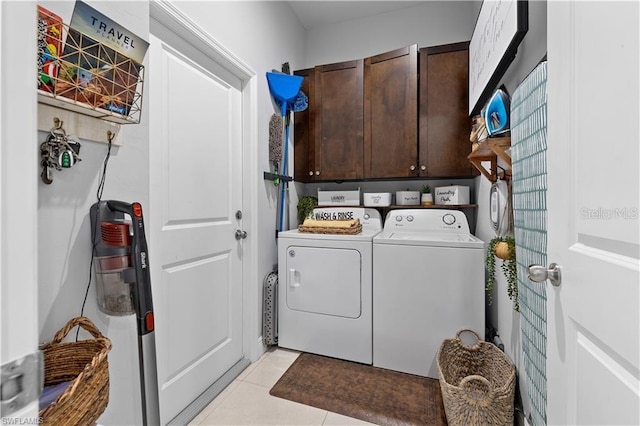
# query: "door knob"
(539, 273)
(412, 167)
(241, 235)
(423, 168)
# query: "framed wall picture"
(499, 29)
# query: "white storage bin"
(377, 199)
(339, 198)
(408, 198)
(451, 195)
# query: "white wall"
(501, 314)
(263, 35)
(427, 24)
(64, 246)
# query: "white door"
(18, 205)
(195, 150)
(593, 355)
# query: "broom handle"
(284, 172)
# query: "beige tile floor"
(246, 401)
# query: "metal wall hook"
(57, 128)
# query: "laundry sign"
(336, 213)
(454, 194)
(104, 30)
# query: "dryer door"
(324, 281)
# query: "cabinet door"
(339, 121)
(303, 135)
(391, 114)
(444, 122)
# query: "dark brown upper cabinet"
(338, 121)
(400, 114)
(443, 119)
(391, 114)
(303, 135)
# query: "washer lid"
(436, 239)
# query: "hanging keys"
(58, 152)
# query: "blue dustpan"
(284, 88)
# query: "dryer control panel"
(423, 220)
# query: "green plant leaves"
(509, 269)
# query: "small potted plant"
(306, 205)
(426, 199)
(503, 248)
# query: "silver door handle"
(241, 235)
(539, 274)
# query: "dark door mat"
(372, 394)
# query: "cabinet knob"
(310, 172)
(412, 168)
(423, 168)
(317, 172)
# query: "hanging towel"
(351, 223)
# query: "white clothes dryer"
(428, 283)
(324, 289)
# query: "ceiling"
(314, 14)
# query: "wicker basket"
(85, 364)
(327, 230)
(477, 382)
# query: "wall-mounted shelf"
(433, 206)
(80, 74)
(489, 150)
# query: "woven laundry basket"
(85, 364)
(477, 382)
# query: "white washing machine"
(324, 289)
(428, 282)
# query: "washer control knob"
(398, 218)
(409, 218)
(449, 219)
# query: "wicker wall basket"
(477, 382)
(85, 364)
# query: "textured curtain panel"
(529, 156)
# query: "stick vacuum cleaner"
(123, 285)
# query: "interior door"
(196, 189)
(18, 215)
(593, 359)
